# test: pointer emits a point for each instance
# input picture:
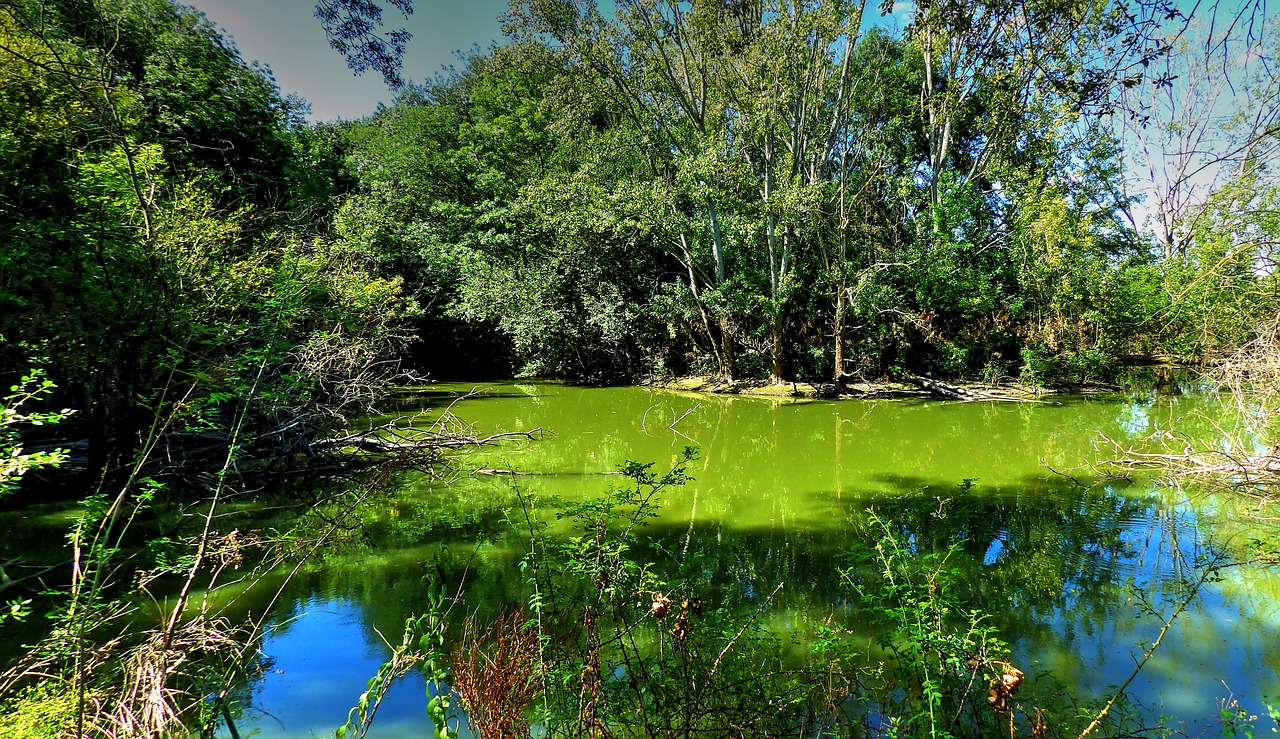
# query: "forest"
(202, 292)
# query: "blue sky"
(283, 35)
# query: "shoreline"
(876, 390)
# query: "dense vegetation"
(792, 192)
(166, 259)
(198, 287)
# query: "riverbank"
(876, 389)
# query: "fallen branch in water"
(515, 473)
(391, 438)
(1255, 474)
(1250, 378)
(955, 392)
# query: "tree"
(1206, 113)
(660, 65)
(795, 95)
(353, 29)
(145, 253)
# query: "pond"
(1077, 568)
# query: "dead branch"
(1257, 475)
(955, 392)
(391, 438)
(1249, 462)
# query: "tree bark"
(775, 372)
(726, 350)
(838, 331)
(697, 299)
(727, 368)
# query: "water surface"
(1075, 567)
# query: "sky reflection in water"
(778, 489)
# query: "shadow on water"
(1075, 576)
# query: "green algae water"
(1077, 567)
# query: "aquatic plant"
(625, 637)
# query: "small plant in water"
(422, 645)
(1237, 721)
(946, 671)
(625, 636)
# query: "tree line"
(805, 190)
(812, 190)
(166, 258)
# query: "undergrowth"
(622, 637)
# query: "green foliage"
(422, 647)
(47, 711)
(761, 191)
(165, 247)
(1225, 286)
(1237, 721)
(637, 641)
(168, 250)
(941, 656)
(613, 218)
(607, 218)
(14, 463)
(655, 655)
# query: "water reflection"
(322, 654)
(1076, 569)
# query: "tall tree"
(663, 66)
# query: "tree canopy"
(777, 189)
(792, 190)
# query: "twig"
(743, 630)
(1061, 474)
(1182, 606)
(683, 415)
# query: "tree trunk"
(717, 249)
(726, 350)
(775, 373)
(697, 300)
(838, 331)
